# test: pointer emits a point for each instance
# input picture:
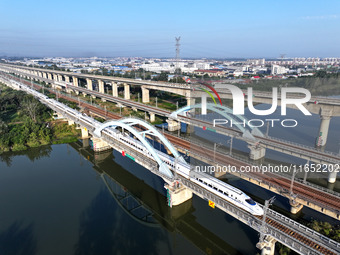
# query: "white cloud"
(323, 17)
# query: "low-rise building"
(210, 72)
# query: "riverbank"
(27, 123)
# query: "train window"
(200, 180)
(220, 191)
(215, 188)
(250, 201)
(225, 193)
(210, 185)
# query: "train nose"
(259, 210)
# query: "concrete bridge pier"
(101, 86)
(67, 78)
(152, 117)
(114, 89)
(75, 81)
(126, 91)
(145, 95)
(84, 133)
(45, 75)
(55, 77)
(177, 193)
(321, 140)
(49, 76)
(267, 247)
(256, 151)
(295, 206)
(86, 143)
(89, 84)
(99, 144)
(332, 176)
(70, 122)
(60, 77)
(173, 125)
(84, 94)
(189, 129)
(190, 101)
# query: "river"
(62, 199)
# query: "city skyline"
(212, 30)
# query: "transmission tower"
(282, 57)
(177, 70)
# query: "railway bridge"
(272, 226)
(257, 143)
(299, 192)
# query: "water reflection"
(32, 154)
(181, 220)
(18, 239)
(106, 230)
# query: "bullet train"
(219, 188)
(215, 186)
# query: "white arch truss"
(128, 124)
(225, 112)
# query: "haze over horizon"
(218, 29)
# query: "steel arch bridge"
(227, 113)
(130, 125)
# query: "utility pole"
(267, 132)
(216, 145)
(267, 203)
(305, 176)
(292, 183)
(156, 102)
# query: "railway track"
(192, 147)
(304, 191)
(298, 188)
(301, 238)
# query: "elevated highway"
(256, 147)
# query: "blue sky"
(148, 28)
